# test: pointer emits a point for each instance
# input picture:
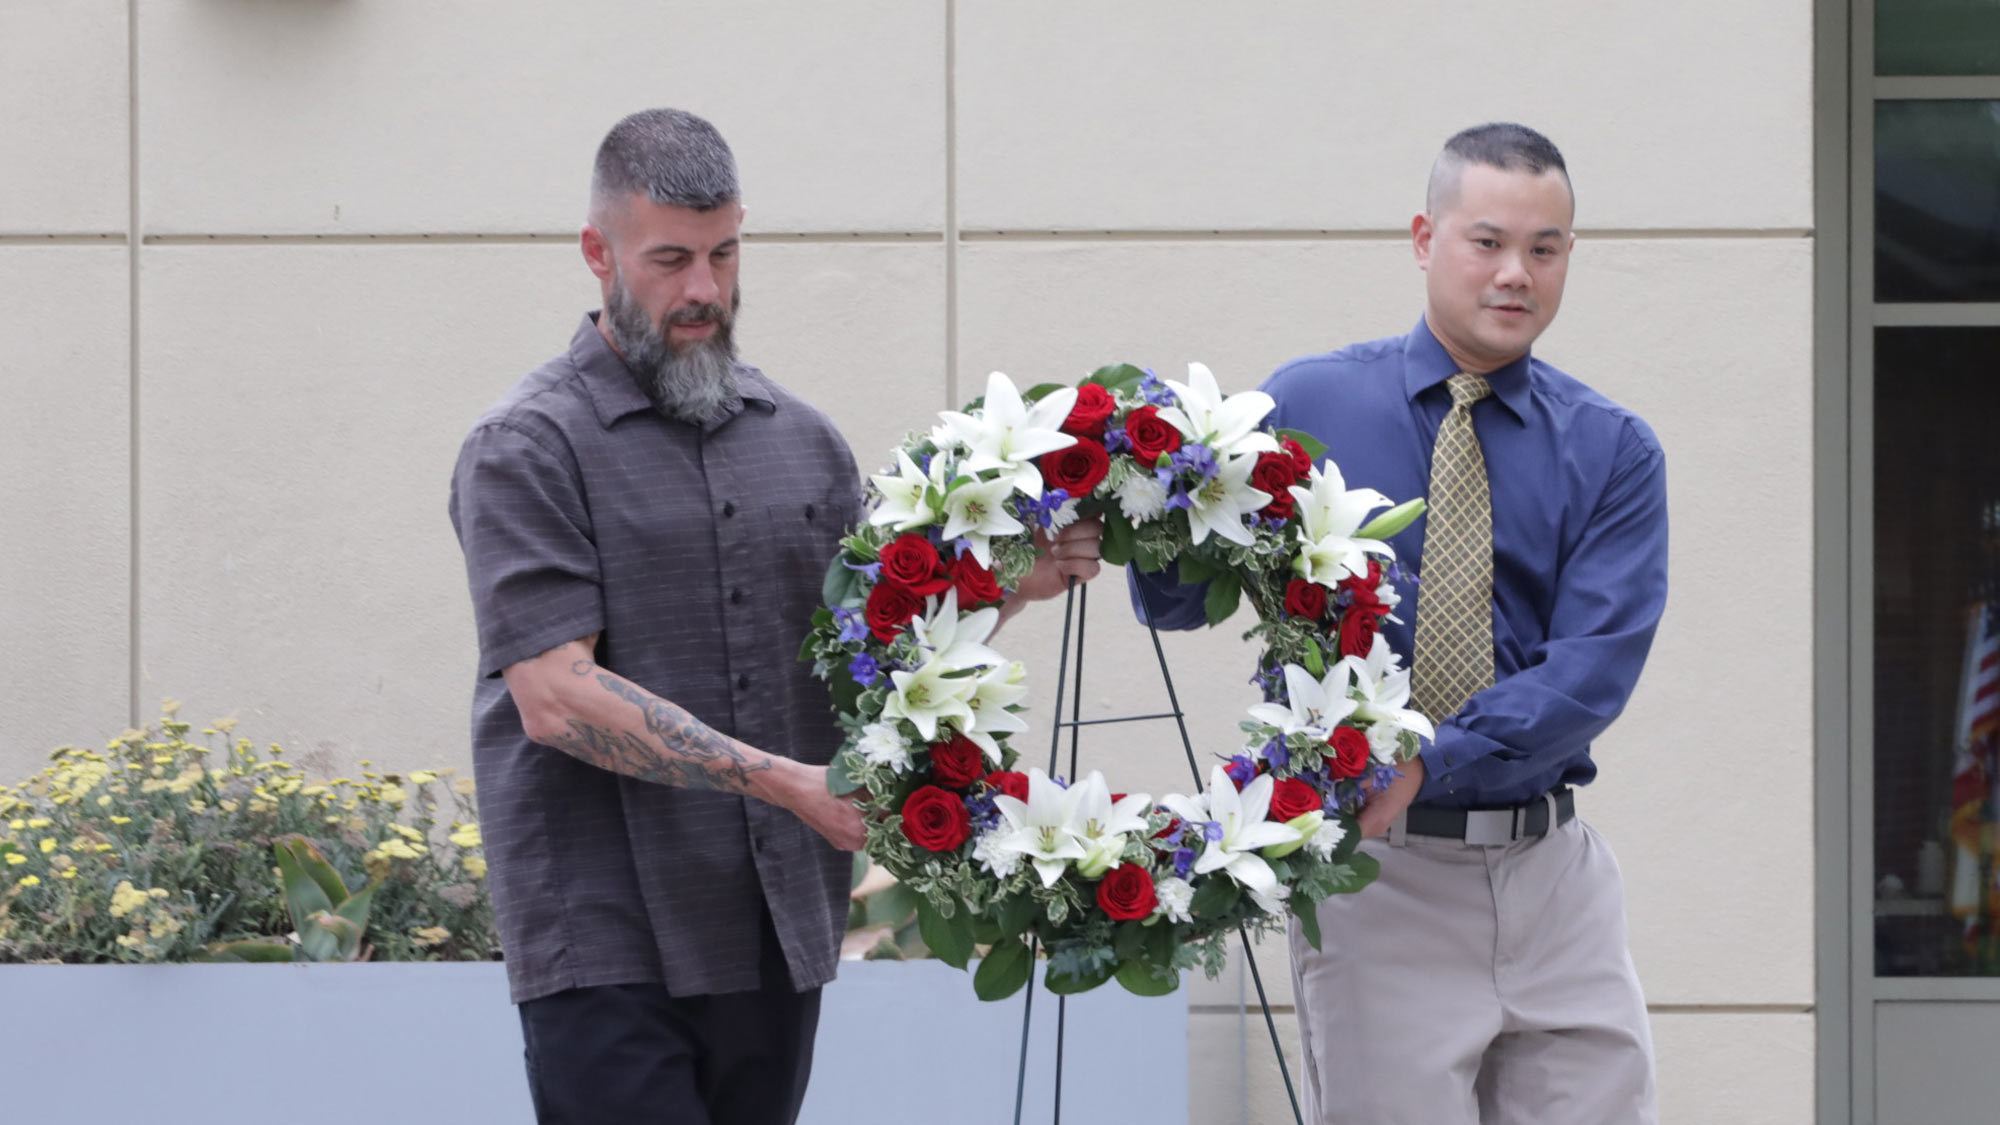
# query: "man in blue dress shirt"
(1485, 977)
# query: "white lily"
(957, 641)
(1381, 692)
(928, 697)
(977, 510)
(1227, 425)
(1043, 828)
(1244, 830)
(1103, 825)
(1312, 706)
(904, 505)
(1329, 515)
(1008, 434)
(1219, 503)
(994, 693)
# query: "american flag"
(1975, 799)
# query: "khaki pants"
(1476, 985)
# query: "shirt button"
(810, 512)
(759, 845)
(735, 597)
(743, 682)
(728, 509)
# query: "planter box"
(899, 1044)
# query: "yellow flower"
(431, 935)
(225, 725)
(121, 820)
(67, 873)
(196, 804)
(333, 820)
(104, 802)
(407, 833)
(30, 881)
(39, 822)
(467, 837)
(170, 706)
(422, 777)
(16, 859)
(164, 927)
(129, 942)
(314, 791)
(476, 866)
(162, 759)
(101, 848)
(48, 844)
(153, 785)
(17, 825)
(464, 786)
(227, 806)
(394, 795)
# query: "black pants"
(629, 1054)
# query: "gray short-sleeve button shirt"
(697, 553)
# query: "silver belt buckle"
(1490, 828)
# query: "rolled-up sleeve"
(530, 557)
(1611, 590)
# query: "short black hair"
(671, 156)
(1499, 144)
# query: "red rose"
(1075, 470)
(1013, 784)
(889, 610)
(957, 763)
(1358, 627)
(935, 819)
(1093, 408)
(912, 563)
(1363, 587)
(1350, 753)
(1305, 599)
(1126, 894)
(1274, 474)
(1151, 437)
(1293, 797)
(1302, 461)
(976, 584)
(1281, 507)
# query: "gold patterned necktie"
(1454, 650)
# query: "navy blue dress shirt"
(1579, 549)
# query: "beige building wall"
(262, 264)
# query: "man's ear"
(596, 251)
(1421, 230)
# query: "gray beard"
(695, 383)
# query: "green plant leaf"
(1193, 570)
(949, 938)
(1004, 969)
(1120, 541)
(1349, 840)
(1315, 663)
(1017, 914)
(894, 905)
(304, 896)
(1223, 594)
(1041, 391)
(1130, 940)
(1359, 871)
(1314, 447)
(1216, 898)
(838, 781)
(1062, 984)
(1120, 378)
(1140, 979)
(270, 952)
(840, 583)
(1391, 521)
(1307, 912)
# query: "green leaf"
(1391, 521)
(1120, 541)
(1359, 871)
(1017, 914)
(304, 896)
(1130, 941)
(986, 931)
(1223, 594)
(892, 905)
(1062, 984)
(857, 870)
(1307, 912)
(838, 781)
(1314, 447)
(1161, 941)
(844, 690)
(1142, 979)
(355, 911)
(1315, 663)
(1041, 391)
(841, 584)
(949, 938)
(1349, 840)
(1004, 969)
(1122, 378)
(1216, 898)
(1195, 570)
(266, 952)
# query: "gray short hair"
(671, 157)
(1503, 145)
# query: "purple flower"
(1183, 861)
(872, 570)
(982, 811)
(1241, 770)
(1193, 457)
(1043, 511)
(853, 624)
(1211, 830)
(1277, 754)
(1154, 391)
(864, 669)
(1115, 441)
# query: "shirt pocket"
(805, 534)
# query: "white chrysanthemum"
(1142, 497)
(1062, 517)
(882, 744)
(1176, 896)
(1321, 843)
(1385, 741)
(1002, 862)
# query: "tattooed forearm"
(689, 753)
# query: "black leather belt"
(1493, 827)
